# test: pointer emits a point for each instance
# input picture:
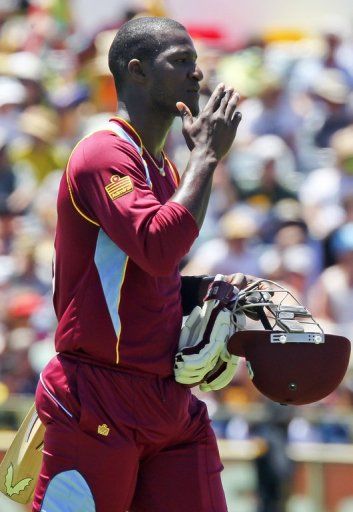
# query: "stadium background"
(281, 206)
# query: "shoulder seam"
(74, 202)
(175, 173)
(86, 217)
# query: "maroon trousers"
(139, 443)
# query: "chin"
(193, 106)
(195, 109)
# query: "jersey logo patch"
(103, 430)
(119, 186)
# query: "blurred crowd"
(281, 204)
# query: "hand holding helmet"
(289, 357)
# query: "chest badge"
(119, 186)
(103, 430)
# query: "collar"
(129, 129)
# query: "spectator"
(331, 297)
(333, 52)
(29, 70)
(272, 176)
(331, 95)
(272, 112)
(235, 248)
(12, 99)
(37, 151)
(323, 191)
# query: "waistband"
(82, 358)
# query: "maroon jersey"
(118, 244)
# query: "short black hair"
(140, 38)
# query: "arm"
(155, 236)
(209, 137)
(193, 290)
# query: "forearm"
(195, 185)
(194, 288)
(193, 291)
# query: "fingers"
(213, 103)
(239, 280)
(226, 100)
(227, 105)
(236, 120)
(228, 94)
(232, 106)
(186, 115)
(231, 114)
(183, 109)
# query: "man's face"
(174, 75)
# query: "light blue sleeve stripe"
(124, 135)
(68, 492)
(110, 262)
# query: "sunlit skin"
(157, 91)
(153, 89)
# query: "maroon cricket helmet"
(292, 360)
(292, 373)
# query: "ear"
(136, 71)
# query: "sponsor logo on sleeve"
(103, 430)
(119, 186)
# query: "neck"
(151, 125)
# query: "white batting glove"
(205, 334)
(222, 374)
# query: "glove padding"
(222, 373)
(205, 334)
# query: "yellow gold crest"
(103, 430)
(119, 186)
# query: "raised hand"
(216, 126)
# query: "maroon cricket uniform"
(117, 254)
(118, 424)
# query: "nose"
(197, 73)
